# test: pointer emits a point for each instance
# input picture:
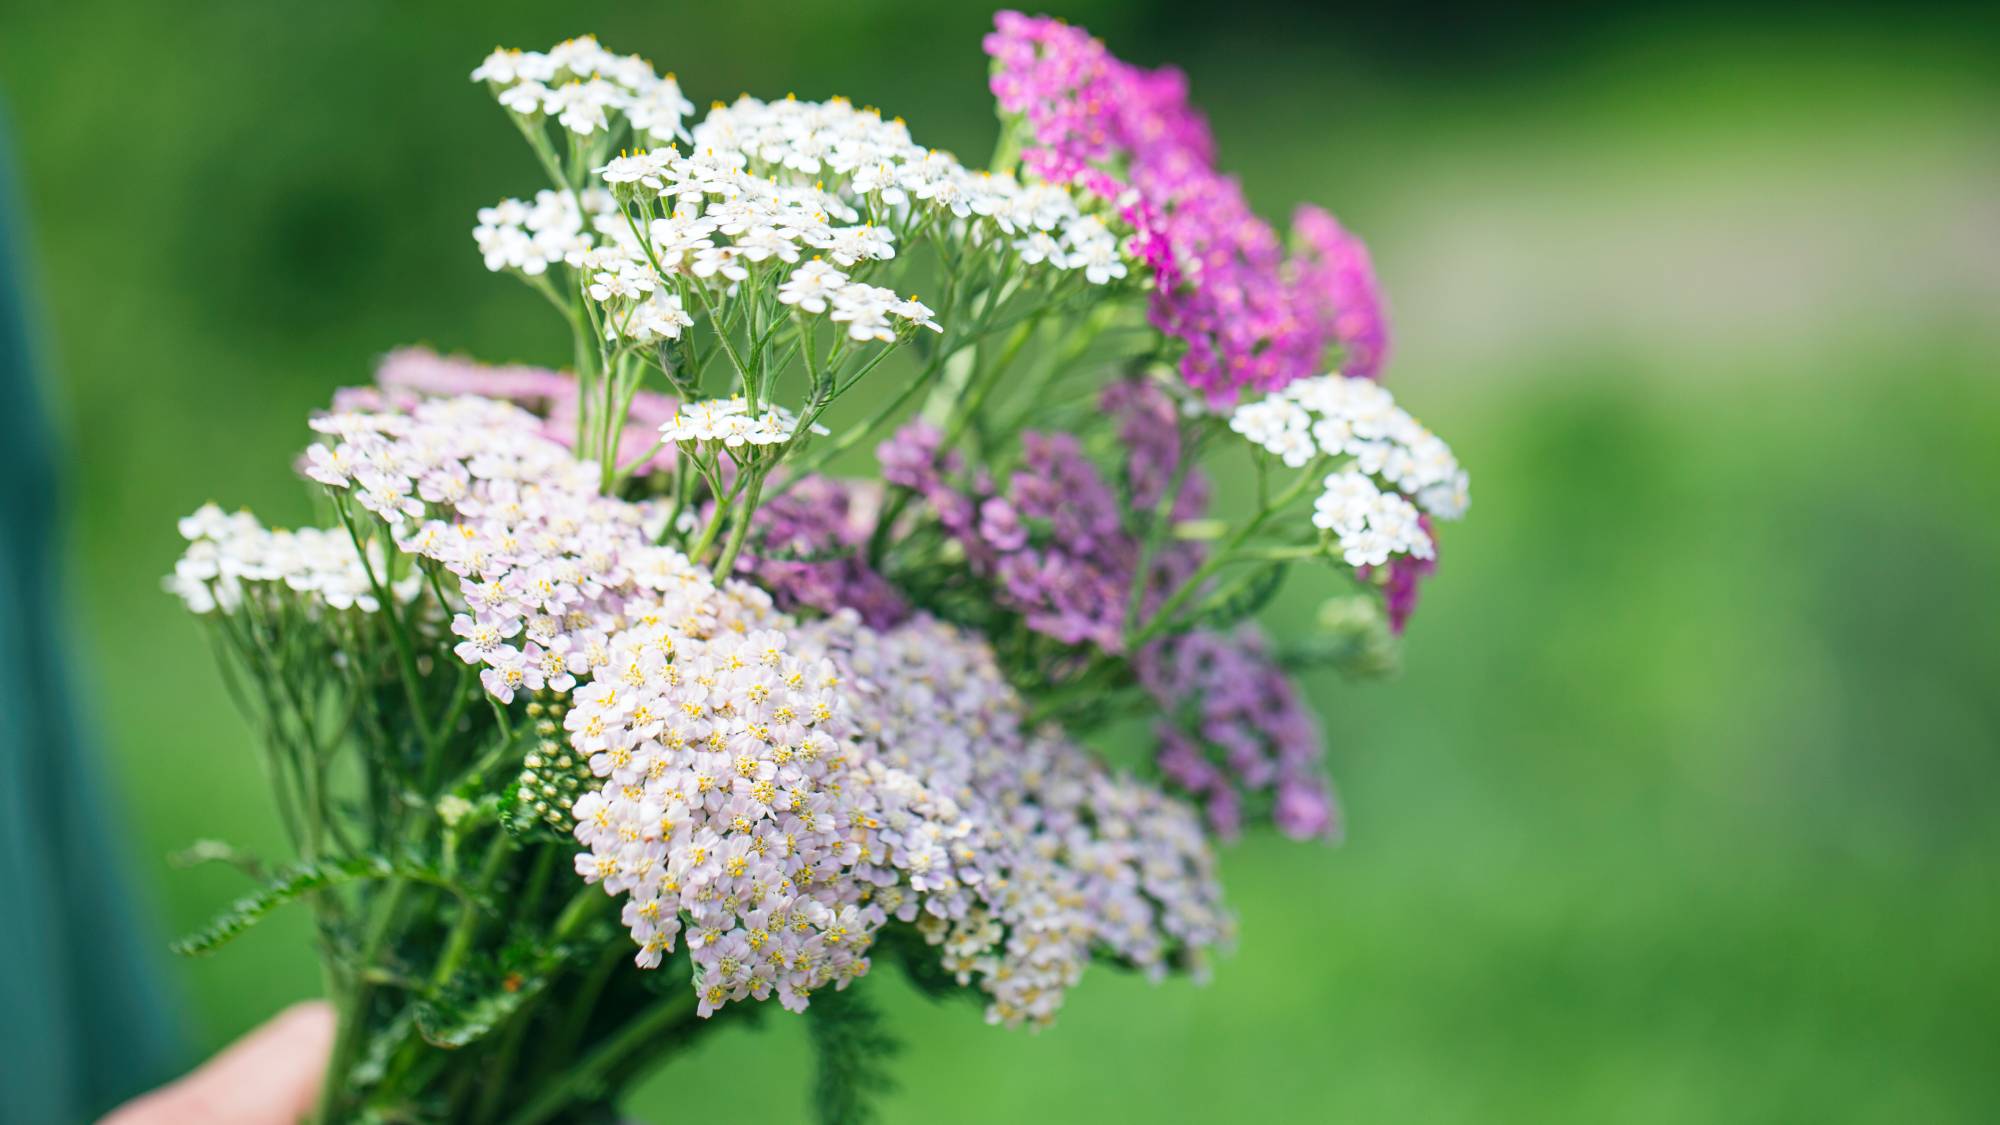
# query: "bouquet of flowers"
(602, 666)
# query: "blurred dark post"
(83, 1022)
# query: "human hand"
(269, 1077)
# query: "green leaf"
(853, 1049)
(454, 1021)
(1245, 598)
(292, 882)
(375, 1061)
(215, 851)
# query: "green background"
(1683, 806)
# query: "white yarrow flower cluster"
(583, 87)
(805, 196)
(231, 557)
(530, 237)
(1395, 470)
(1371, 524)
(873, 164)
(721, 226)
(728, 422)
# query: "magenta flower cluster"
(1404, 576)
(1252, 317)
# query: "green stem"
(576, 914)
(683, 486)
(604, 1058)
(1165, 614)
(353, 1016)
(742, 526)
(386, 596)
(874, 422)
(728, 342)
(459, 944)
(709, 533)
(581, 1005)
(510, 1049)
(1163, 512)
(984, 383)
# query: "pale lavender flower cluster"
(1235, 727)
(1021, 853)
(408, 375)
(776, 793)
(542, 561)
(730, 806)
(773, 792)
(1251, 318)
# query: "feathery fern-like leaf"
(853, 1046)
(291, 883)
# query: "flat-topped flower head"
(1251, 318)
(585, 88)
(729, 423)
(231, 558)
(1235, 732)
(1389, 473)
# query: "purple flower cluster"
(1252, 319)
(1054, 538)
(1149, 429)
(809, 552)
(1235, 727)
(407, 375)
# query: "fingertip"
(308, 1021)
(271, 1076)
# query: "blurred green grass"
(1681, 809)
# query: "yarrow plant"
(601, 712)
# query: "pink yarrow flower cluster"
(1252, 318)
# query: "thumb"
(269, 1077)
